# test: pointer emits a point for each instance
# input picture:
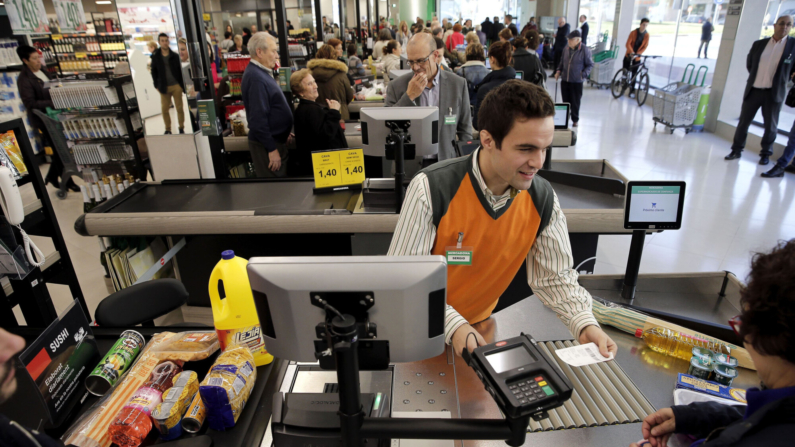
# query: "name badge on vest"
(450, 119)
(459, 255)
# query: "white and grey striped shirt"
(549, 262)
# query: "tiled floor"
(730, 211)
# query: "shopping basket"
(676, 104)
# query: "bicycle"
(622, 80)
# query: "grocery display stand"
(30, 291)
(58, 56)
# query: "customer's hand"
(332, 104)
(462, 339)
(658, 427)
(557, 75)
(417, 85)
(595, 335)
(275, 160)
(290, 138)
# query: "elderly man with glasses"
(429, 86)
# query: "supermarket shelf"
(124, 139)
(69, 73)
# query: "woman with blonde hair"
(403, 34)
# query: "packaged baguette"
(189, 346)
(91, 429)
(227, 386)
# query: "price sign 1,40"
(339, 167)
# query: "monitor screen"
(561, 116)
(520, 75)
(509, 359)
(654, 205)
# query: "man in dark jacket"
(486, 28)
(531, 25)
(706, 36)
(167, 77)
(584, 29)
(770, 63)
(561, 39)
(510, 25)
(765, 326)
(11, 433)
(35, 97)
(528, 62)
(574, 68)
(496, 27)
(270, 118)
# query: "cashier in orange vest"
(503, 213)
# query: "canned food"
(724, 374)
(725, 360)
(194, 418)
(115, 363)
(702, 353)
(699, 368)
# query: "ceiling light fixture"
(103, 2)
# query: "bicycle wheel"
(619, 84)
(643, 89)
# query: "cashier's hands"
(274, 160)
(657, 428)
(462, 339)
(595, 335)
(416, 86)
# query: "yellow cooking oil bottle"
(677, 344)
(234, 313)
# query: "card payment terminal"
(522, 380)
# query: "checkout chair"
(142, 303)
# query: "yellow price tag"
(206, 17)
(338, 167)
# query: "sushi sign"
(57, 363)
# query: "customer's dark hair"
(390, 47)
(533, 39)
(439, 43)
(506, 34)
(501, 52)
(514, 100)
(227, 35)
(352, 49)
(520, 42)
(644, 20)
(24, 51)
(768, 303)
(475, 52)
(162, 35)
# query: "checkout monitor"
(424, 128)
(409, 295)
(561, 116)
(654, 205)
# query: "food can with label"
(702, 353)
(115, 363)
(723, 374)
(726, 360)
(700, 368)
(194, 418)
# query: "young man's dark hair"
(227, 35)
(24, 51)
(644, 20)
(352, 49)
(769, 303)
(511, 101)
(439, 43)
(162, 35)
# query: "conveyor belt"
(603, 395)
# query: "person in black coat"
(167, 77)
(35, 97)
(496, 27)
(485, 27)
(584, 29)
(765, 326)
(317, 127)
(528, 62)
(561, 40)
(499, 58)
(766, 88)
(706, 36)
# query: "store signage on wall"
(27, 17)
(71, 17)
(60, 360)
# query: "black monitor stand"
(399, 148)
(633, 265)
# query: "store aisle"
(729, 211)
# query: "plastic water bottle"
(677, 344)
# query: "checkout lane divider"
(582, 401)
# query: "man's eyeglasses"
(419, 61)
(735, 324)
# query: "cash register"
(364, 312)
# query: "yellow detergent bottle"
(234, 313)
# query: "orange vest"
(500, 240)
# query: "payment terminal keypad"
(531, 389)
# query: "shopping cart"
(676, 105)
(602, 74)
